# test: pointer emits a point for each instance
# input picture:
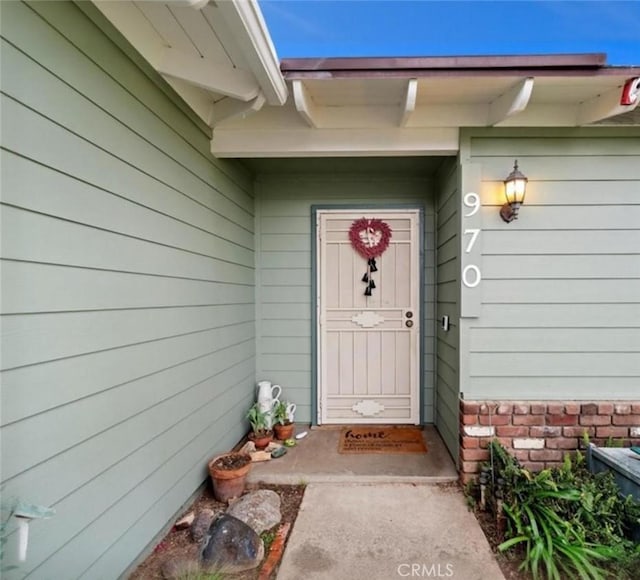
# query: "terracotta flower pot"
(261, 441)
(229, 474)
(284, 432)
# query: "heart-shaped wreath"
(369, 237)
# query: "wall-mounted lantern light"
(515, 187)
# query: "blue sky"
(322, 28)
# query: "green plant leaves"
(567, 522)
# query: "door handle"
(409, 323)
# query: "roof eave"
(245, 20)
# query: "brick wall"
(539, 433)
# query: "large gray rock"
(231, 546)
(258, 509)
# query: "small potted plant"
(283, 415)
(261, 433)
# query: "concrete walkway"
(377, 516)
(315, 459)
(386, 531)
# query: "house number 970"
(471, 274)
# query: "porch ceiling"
(421, 116)
(453, 90)
(219, 57)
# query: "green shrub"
(568, 521)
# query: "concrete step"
(315, 459)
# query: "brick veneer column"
(540, 433)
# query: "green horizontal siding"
(447, 304)
(284, 306)
(560, 314)
(128, 320)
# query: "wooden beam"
(308, 142)
(229, 108)
(604, 106)
(209, 75)
(514, 101)
(304, 104)
(409, 105)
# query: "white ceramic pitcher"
(267, 394)
(268, 398)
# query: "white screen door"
(369, 346)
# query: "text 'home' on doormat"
(381, 440)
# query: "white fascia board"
(335, 142)
(247, 24)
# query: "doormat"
(381, 440)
